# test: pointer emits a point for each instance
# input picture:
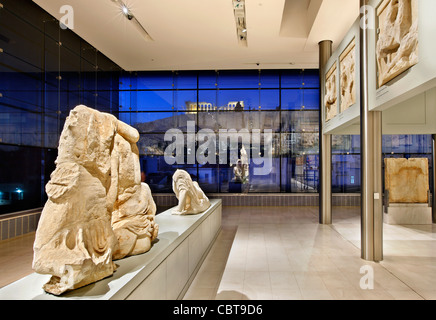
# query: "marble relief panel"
(407, 180)
(331, 94)
(397, 44)
(348, 76)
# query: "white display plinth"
(163, 273)
(408, 214)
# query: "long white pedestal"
(163, 273)
(408, 214)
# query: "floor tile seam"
(402, 281)
(384, 267)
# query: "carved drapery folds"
(192, 199)
(348, 76)
(97, 209)
(331, 94)
(397, 44)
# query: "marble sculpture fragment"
(331, 95)
(348, 76)
(192, 199)
(97, 209)
(397, 44)
(407, 180)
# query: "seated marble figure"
(97, 210)
(192, 199)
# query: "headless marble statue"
(97, 209)
(192, 199)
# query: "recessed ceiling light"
(241, 22)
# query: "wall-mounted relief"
(348, 76)
(407, 180)
(397, 44)
(331, 94)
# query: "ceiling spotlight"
(127, 12)
(129, 15)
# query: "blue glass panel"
(311, 78)
(292, 99)
(185, 100)
(52, 131)
(292, 78)
(238, 79)
(185, 80)
(20, 184)
(153, 122)
(249, 99)
(208, 97)
(300, 121)
(207, 80)
(89, 99)
(158, 174)
(20, 84)
(311, 99)
(346, 173)
(155, 100)
(51, 99)
(27, 100)
(300, 173)
(208, 178)
(125, 100)
(68, 101)
(406, 144)
(20, 127)
(154, 80)
(125, 81)
(270, 79)
(270, 99)
(345, 144)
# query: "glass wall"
(45, 71)
(283, 103)
(346, 157)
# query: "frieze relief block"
(348, 76)
(331, 94)
(407, 180)
(397, 44)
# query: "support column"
(434, 180)
(325, 143)
(371, 161)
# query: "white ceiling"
(201, 34)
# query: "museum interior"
(233, 150)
